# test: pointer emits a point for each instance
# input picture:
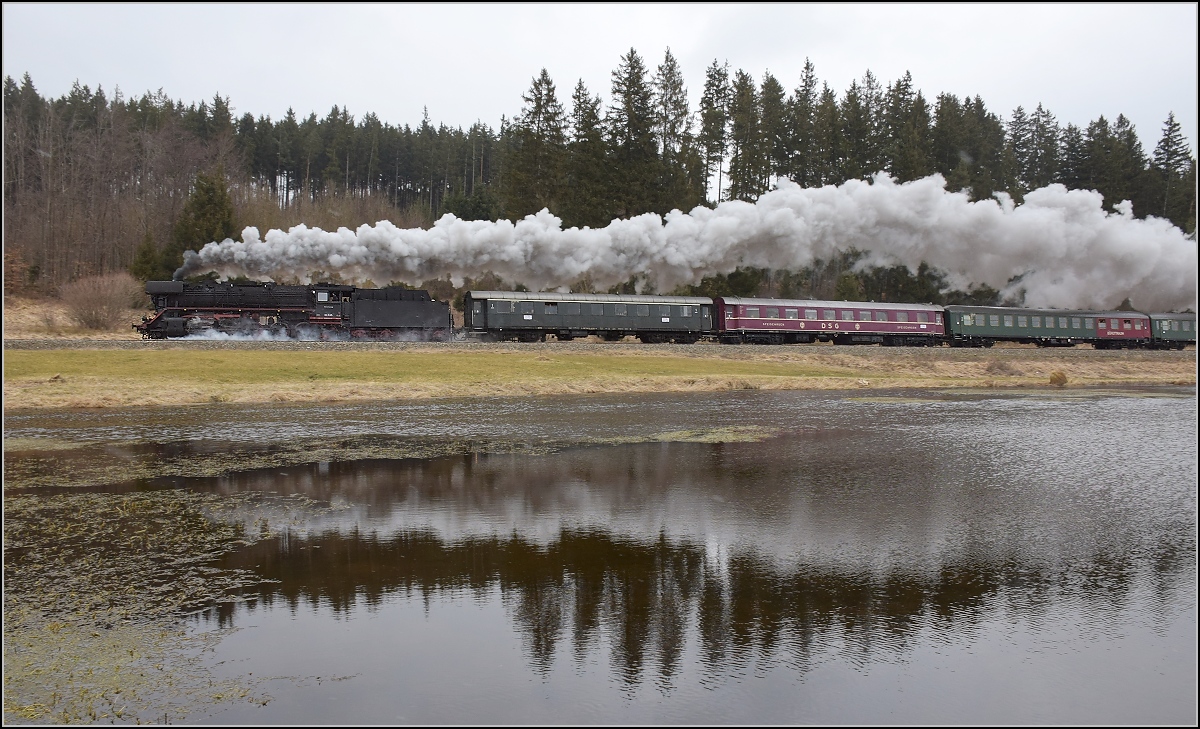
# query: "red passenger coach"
(1121, 329)
(786, 321)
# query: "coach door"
(476, 313)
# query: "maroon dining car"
(786, 321)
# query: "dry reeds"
(98, 302)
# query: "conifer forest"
(98, 182)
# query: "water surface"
(947, 559)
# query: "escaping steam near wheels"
(1059, 248)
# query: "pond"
(743, 557)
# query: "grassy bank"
(146, 374)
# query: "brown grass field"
(48, 363)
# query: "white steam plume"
(1065, 249)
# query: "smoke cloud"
(1059, 247)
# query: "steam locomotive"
(319, 311)
(330, 311)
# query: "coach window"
(751, 312)
(1137, 324)
(1089, 323)
(664, 310)
(829, 314)
(685, 311)
(1127, 324)
(1175, 326)
(791, 313)
(923, 316)
(322, 296)
(847, 315)
(1022, 321)
(864, 316)
(1075, 323)
(881, 316)
(502, 307)
(597, 309)
(1102, 323)
(571, 309)
(994, 319)
(810, 313)
(526, 307)
(937, 317)
(552, 308)
(772, 312)
(901, 316)
(1187, 326)
(1007, 320)
(642, 309)
(619, 309)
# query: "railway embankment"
(98, 373)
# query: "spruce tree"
(537, 159)
(950, 157)
(747, 148)
(1126, 165)
(671, 108)
(802, 110)
(631, 140)
(907, 127)
(777, 141)
(1097, 146)
(875, 144)
(714, 123)
(1072, 170)
(827, 140)
(1043, 149)
(1020, 143)
(1172, 164)
(585, 195)
(855, 117)
(986, 145)
(207, 217)
(673, 125)
(148, 262)
(1171, 153)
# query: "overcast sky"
(473, 62)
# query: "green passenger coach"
(1172, 331)
(983, 326)
(530, 316)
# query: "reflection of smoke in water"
(1063, 247)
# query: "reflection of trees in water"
(646, 597)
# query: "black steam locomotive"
(317, 311)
